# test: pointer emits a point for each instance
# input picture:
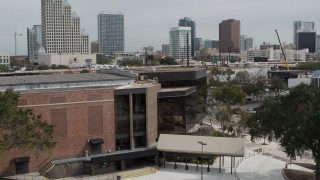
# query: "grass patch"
(299, 175)
(306, 165)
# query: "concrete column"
(132, 144)
(219, 164)
(156, 160)
(123, 165)
(231, 163)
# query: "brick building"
(83, 109)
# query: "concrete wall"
(71, 60)
(79, 115)
(295, 82)
(152, 113)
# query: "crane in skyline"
(15, 40)
(284, 55)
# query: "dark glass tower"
(187, 22)
(307, 40)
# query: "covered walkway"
(201, 145)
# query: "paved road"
(261, 167)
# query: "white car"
(251, 111)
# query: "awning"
(21, 159)
(221, 146)
(96, 141)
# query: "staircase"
(45, 169)
(139, 173)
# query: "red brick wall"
(71, 109)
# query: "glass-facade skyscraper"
(34, 36)
(187, 22)
(110, 33)
(301, 26)
(246, 43)
(178, 42)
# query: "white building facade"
(276, 54)
(70, 60)
(4, 59)
(61, 29)
(178, 42)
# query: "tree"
(294, 121)
(218, 75)
(4, 68)
(242, 77)
(131, 62)
(259, 124)
(22, 128)
(168, 61)
(276, 83)
(229, 94)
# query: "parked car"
(251, 111)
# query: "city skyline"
(141, 23)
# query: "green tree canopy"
(229, 93)
(294, 120)
(242, 77)
(4, 68)
(22, 128)
(168, 61)
(276, 83)
(309, 66)
(217, 75)
(131, 62)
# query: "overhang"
(96, 141)
(21, 159)
(176, 92)
(222, 146)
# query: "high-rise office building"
(198, 44)
(246, 43)
(306, 40)
(61, 29)
(229, 36)
(210, 44)
(301, 26)
(165, 49)
(34, 38)
(111, 33)
(187, 22)
(179, 45)
(318, 47)
(94, 47)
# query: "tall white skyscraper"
(34, 36)
(111, 33)
(178, 42)
(61, 29)
(301, 26)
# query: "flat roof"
(176, 92)
(224, 146)
(59, 78)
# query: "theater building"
(95, 117)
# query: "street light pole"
(202, 144)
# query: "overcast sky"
(147, 22)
